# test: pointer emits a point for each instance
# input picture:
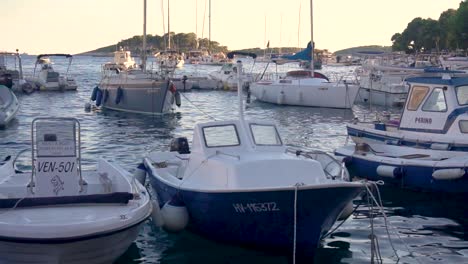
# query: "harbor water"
(416, 227)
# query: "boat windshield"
(462, 95)
(221, 136)
(436, 101)
(417, 96)
(265, 135)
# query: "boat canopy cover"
(303, 55)
(440, 70)
(454, 81)
(56, 54)
(231, 54)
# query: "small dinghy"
(419, 169)
(240, 184)
(8, 105)
(59, 213)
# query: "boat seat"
(108, 198)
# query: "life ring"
(94, 93)
(119, 95)
(98, 97)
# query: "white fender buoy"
(263, 94)
(448, 174)
(388, 171)
(140, 173)
(156, 215)
(175, 216)
(281, 96)
(347, 211)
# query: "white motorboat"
(434, 116)
(48, 79)
(240, 184)
(169, 60)
(226, 77)
(59, 213)
(454, 63)
(8, 105)
(12, 77)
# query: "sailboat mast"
(168, 27)
(209, 26)
(196, 23)
(143, 52)
(312, 38)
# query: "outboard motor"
(180, 145)
(6, 80)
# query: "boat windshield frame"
(457, 94)
(206, 138)
(255, 136)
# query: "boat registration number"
(53, 166)
(255, 207)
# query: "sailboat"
(127, 87)
(240, 184)
(169, 59)
(305, 87)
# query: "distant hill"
(182, 42)
(363, 48)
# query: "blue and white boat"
(407, 167)
(240, 184)
(435, 116)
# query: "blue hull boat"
(261, 219)
(417, 169)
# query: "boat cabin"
(436, 105)
(235, 137)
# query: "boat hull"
(261, 219)
(317, 95)
(412, 176)
(141, 99)
(9, 109)
(384, 137)
(105, 248)
(384, 98)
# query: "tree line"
(449, 33)
(182, 42)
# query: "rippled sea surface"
(422, 228)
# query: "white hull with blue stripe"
(435, 117)
(406, 167)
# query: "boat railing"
(332, 167)
(348, 77)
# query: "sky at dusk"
(74, 26)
